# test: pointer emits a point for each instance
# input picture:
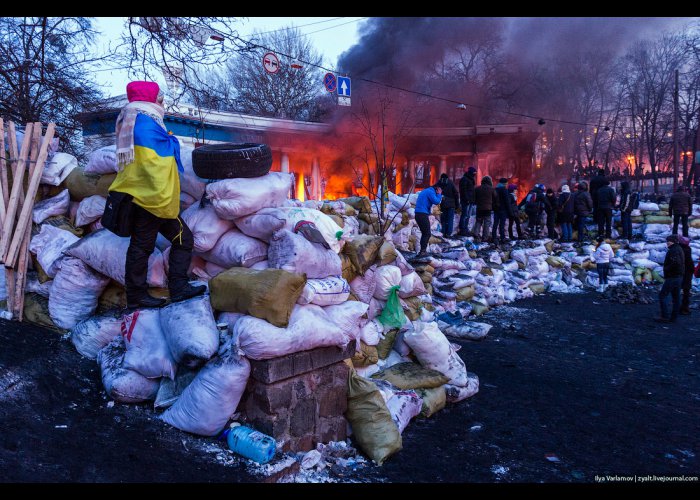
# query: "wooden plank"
(3, 174)
(25, 216)
(18, 175)
(23, 260)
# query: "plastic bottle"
(250, 443)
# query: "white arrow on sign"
(343, 86)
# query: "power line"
(301, 26)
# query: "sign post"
(343, 91)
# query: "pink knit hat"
(142, 91)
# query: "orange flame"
(300, 186)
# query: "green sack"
(434, 400)
(412, 376)
(392, 315)
(372, 426)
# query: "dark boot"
(147, 301)
(186, 291)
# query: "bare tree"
(44, 75)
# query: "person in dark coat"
(448, 205)
(515, 215)
(550, 208)
(486, 201)
(606, 201)
(565, 213)
(674, 270)
(534, 205)
(628, 201)
(583, 204)
(597, 182)
(466, 198)
(688, 269)
(680, 206)
(503, 212)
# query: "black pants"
(143, 240)
(604, 216)
(551, 233)
(680, 218)
(685, 302)
(423, 221)
(672, 287)
(499, 225)
(515, 220)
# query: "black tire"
(228, 161)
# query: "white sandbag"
(394, 358)
(461, 281)
(471, 330)
(230, 318)
(403, 264)
(363, 286)
(332, 233)
(169, 391)
(538, 250)
(213, 269)
(233, 198)
(310, 326)
(294, 253)
(102, 161)
(630, 256)
(75, 292)
(649, 264)
(519, 256)
(412, 286)
(511, 265)
(190, 330)
(123, 385)
(648, 207)
(657, 256)
(371, 332)
(263, 264)
(48, 246)
(146, 348)
(657, 229)
(57, 205)
(325, 292)
(447, 264)
(32, 285)
(376, 306)
(207, 403)
(206, 226)
(499, 276)
(580, 259)
(235, 249)
(455, 394)
(637, 246)
(105, 252)
(90, 209)
(313, 204)
(347, 316)
(262, 224)
(588, 249)
(386, 278)
(495, 257)
(557, 287)
(400, 345)
(58, 168)
(190, 183)
(621, 279)
(351, 226)
(368, 371)
(403, 407)
(92, 334)
(434, 351)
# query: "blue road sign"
(344, 86)
(330, 82)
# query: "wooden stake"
(17, 178)
(21, 278)
(3, 174)
(25, 216)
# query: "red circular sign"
(271, 63)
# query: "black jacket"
(513, 205)
(485, 198)
(628, 200)
(565, 206)
(535, 207)
(583, 204)
(550, 203)
(674, 263)
(680, 204)
(596, 183)
(606, 197)
(466, 188)
(450, 197)
(688, 267)
(504, 197)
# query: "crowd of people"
(568, 207)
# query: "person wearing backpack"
(628, 201)
(514, 218)
(565, 213)
(534, 204)
(583, 204)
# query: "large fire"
(300, 186)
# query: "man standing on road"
(680, 206)
(466, 198)
(606, 201)
(426, 199)
(674, 269)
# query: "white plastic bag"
(208, 402)
(294, 253)
(122, 384)
(90, 209)
(106, 252)
(434, 351)
(325, 292)
(363, 286)
(92, 334)
(233, 198)
(102, 161)
(190, 330)
(74, 293)
(371, 332)
(455, 393)
(235, 249)
(146, 349)
(411, 286)
(58, 168)
(57, 205)
(206, 226)
(48, 246)
(386, 278)
(190, 184)
(310, 326)
(403, 407)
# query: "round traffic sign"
(330, 82)
(271, 63)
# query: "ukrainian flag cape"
(152, 177)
